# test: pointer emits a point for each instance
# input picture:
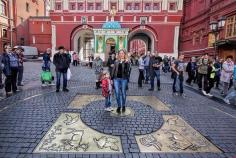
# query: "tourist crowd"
(203, 71)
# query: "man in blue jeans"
(178, 70)
(62, 63)
(155, 64)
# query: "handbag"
(69, 74)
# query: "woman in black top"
(120, 75)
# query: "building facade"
(14, 20)
(6, 23)
(196, 37)
(155, 22)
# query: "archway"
(83, 43)
(110, 47)
(145, 36)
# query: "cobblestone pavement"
(26, 117)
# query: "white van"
(30, 52)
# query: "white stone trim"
(105, 5)
(176, 41)
(65, 5)
(42, 27)
(53, 39)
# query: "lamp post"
(216, 27)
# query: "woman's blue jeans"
(120, 85)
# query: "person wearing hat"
(20, 55)
(191, 70)
(10, 68)
(62, 63)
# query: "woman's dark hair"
(230, 56)
(61, 47)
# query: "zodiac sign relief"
(107, 142)
(149, 141)
(75, 142)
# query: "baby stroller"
(46, 75)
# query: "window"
(157, 6)
(113, 4)
(2, 8)
(136, 6)
(128, 6)
(4, 33)
(98, 6)
(37, 12)
(231, 27)
(172, 6)
(58, 6)
(27, 7)
(80, 6)
(72, 6)
(147, 6)
(90, 6)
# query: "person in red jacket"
(107, 90)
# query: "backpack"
(13, 61)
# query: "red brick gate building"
(155, 22)
(196, 37)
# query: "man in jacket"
(155, 65)
(20, 55)
(10, 68)
(62, 63)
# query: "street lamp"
(216, 27)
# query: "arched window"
(3, 8)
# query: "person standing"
(46, 60)
(146, 67)
(20, 55)
(98, 66)
(141, 71)
(75, 59)
(202, 71)
(1, 68)
(211, 79)
(226, 74)
(217, 66)
(107, 90)
(120, 74)
(155, 65)
(10, 68)
(111, 62)
(232, 95)
(191, 70)
(61, 61)
(178, 75)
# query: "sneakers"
(204, 92)
(158, 88)
(44, 85)
(109, 109)
(209, 94)
(226, 101)
(57, 90)
(151, 89)
(20, 84)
